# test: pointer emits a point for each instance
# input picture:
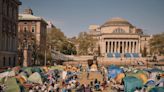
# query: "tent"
(150, 83)
(12, 85)
(154, 70)
(22, 79)
(28, 70)
(157, 89)
(36, 69)
(59, 67)
(131, 83)
(35, 78)
(119, 78)
(139, 75)
(93, 67)
(113, 71)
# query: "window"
(119, 30)
(25, 29)
(14, 62)
(4, 61)
(9, 61)
(33, 29)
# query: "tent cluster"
(131, 79)
(21, 79)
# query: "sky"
(75, 16)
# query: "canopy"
(113, 71)
(131, 83)
(35, 78)
(12, 85)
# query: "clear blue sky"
(74, 16)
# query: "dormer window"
(119, 30)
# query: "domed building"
(119, 38)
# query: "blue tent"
(113, 71)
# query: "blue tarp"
(117, 55)
(135, 55)
(110, 55)
(127, 55)
(113, 71)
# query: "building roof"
(116, 21)
(30, 17)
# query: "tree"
(58, 41)
(86, 44)
(157, 44)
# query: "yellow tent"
(143, 77)
(21, 79)
(119, 78)
(94, 67)
(45, 68)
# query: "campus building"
(8, 32)
(29, 23)
(119, 38)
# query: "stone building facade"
(8, 32)
(117, 38)
(35, 25)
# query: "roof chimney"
(28, 11)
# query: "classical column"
(106, 50)
(137, 47)
(133, 47)
(118, 46)
(115, 46)
(123, 51)
(111, 47)
(125, 46)
(129, 46)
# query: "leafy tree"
(157, 44)
(27, 40)
(86, 44)
(58, 41)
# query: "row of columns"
(127, 46)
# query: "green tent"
(27, 69)
(157, 89)
(131, 83)
(36, 69)
(58, 67)
(12, 85)
(35, 78)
